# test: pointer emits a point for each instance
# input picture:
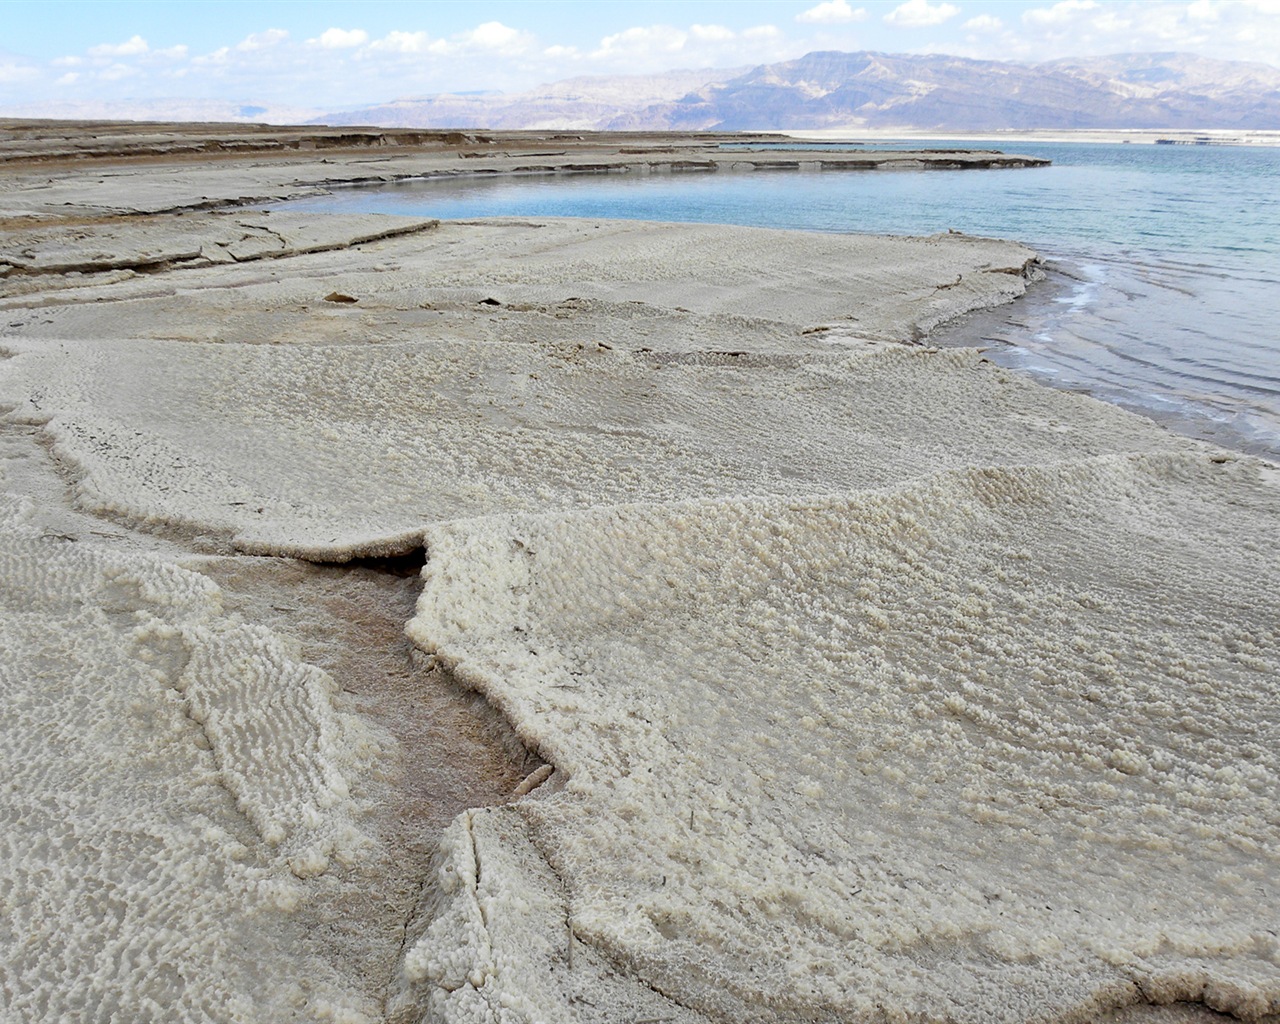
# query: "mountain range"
(875, 90)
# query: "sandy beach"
(559, 620)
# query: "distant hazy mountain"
(819, 90)
(576, 103)
(878, 90)
(228, 111)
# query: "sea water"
(1166, 259)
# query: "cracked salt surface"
(170, 778)
(965, 712)
(995, 745)
(333, 452)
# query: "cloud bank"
(331, 67)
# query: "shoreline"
(274, 165)
(995, 331)
(594, 620)
(1112, 136)
(1198, 416)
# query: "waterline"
(1177, 250)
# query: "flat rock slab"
(685, 287)
(152, 243)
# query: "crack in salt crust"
(332, 452)
(125, 685)
(972, 748)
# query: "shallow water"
(1168, 256)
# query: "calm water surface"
(1166, 258)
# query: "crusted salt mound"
(668, 287)
(174, 784)
(331, 452)
(997, 745)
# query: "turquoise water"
(1166, 259)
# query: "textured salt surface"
(995, 745)
(175, 785)
(859, 670)
(338, 451)
(854, 287)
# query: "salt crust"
(880, 287)
(994, 745)
(171, 780)
(1060, 704)
(193, 240)
(336, 451)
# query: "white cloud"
(341, 38)
(642, 42)
(402, 42)
(129, 48)
(1235, 30)
(172, 52)
(10, 72)
(221, 55)
(1111, 23)
(983, 23)
(1059, 14)
(493, 35)
(262, 40)
(711, 33)
(1202, 10)
(561, 52)
(920, 14)
(832, 12)
(655, 49)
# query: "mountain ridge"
(870, 89)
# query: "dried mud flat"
(561, 620)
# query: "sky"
(330, 55)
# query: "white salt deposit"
(334, 451)
(169, 778)
(873, 687)
(991, 746)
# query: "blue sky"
(335, 55)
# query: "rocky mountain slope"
(871, 90)
(588, 102)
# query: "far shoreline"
(1101, 136)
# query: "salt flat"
(765, 664)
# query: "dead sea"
(583, 620)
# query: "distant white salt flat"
(1148, 136)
